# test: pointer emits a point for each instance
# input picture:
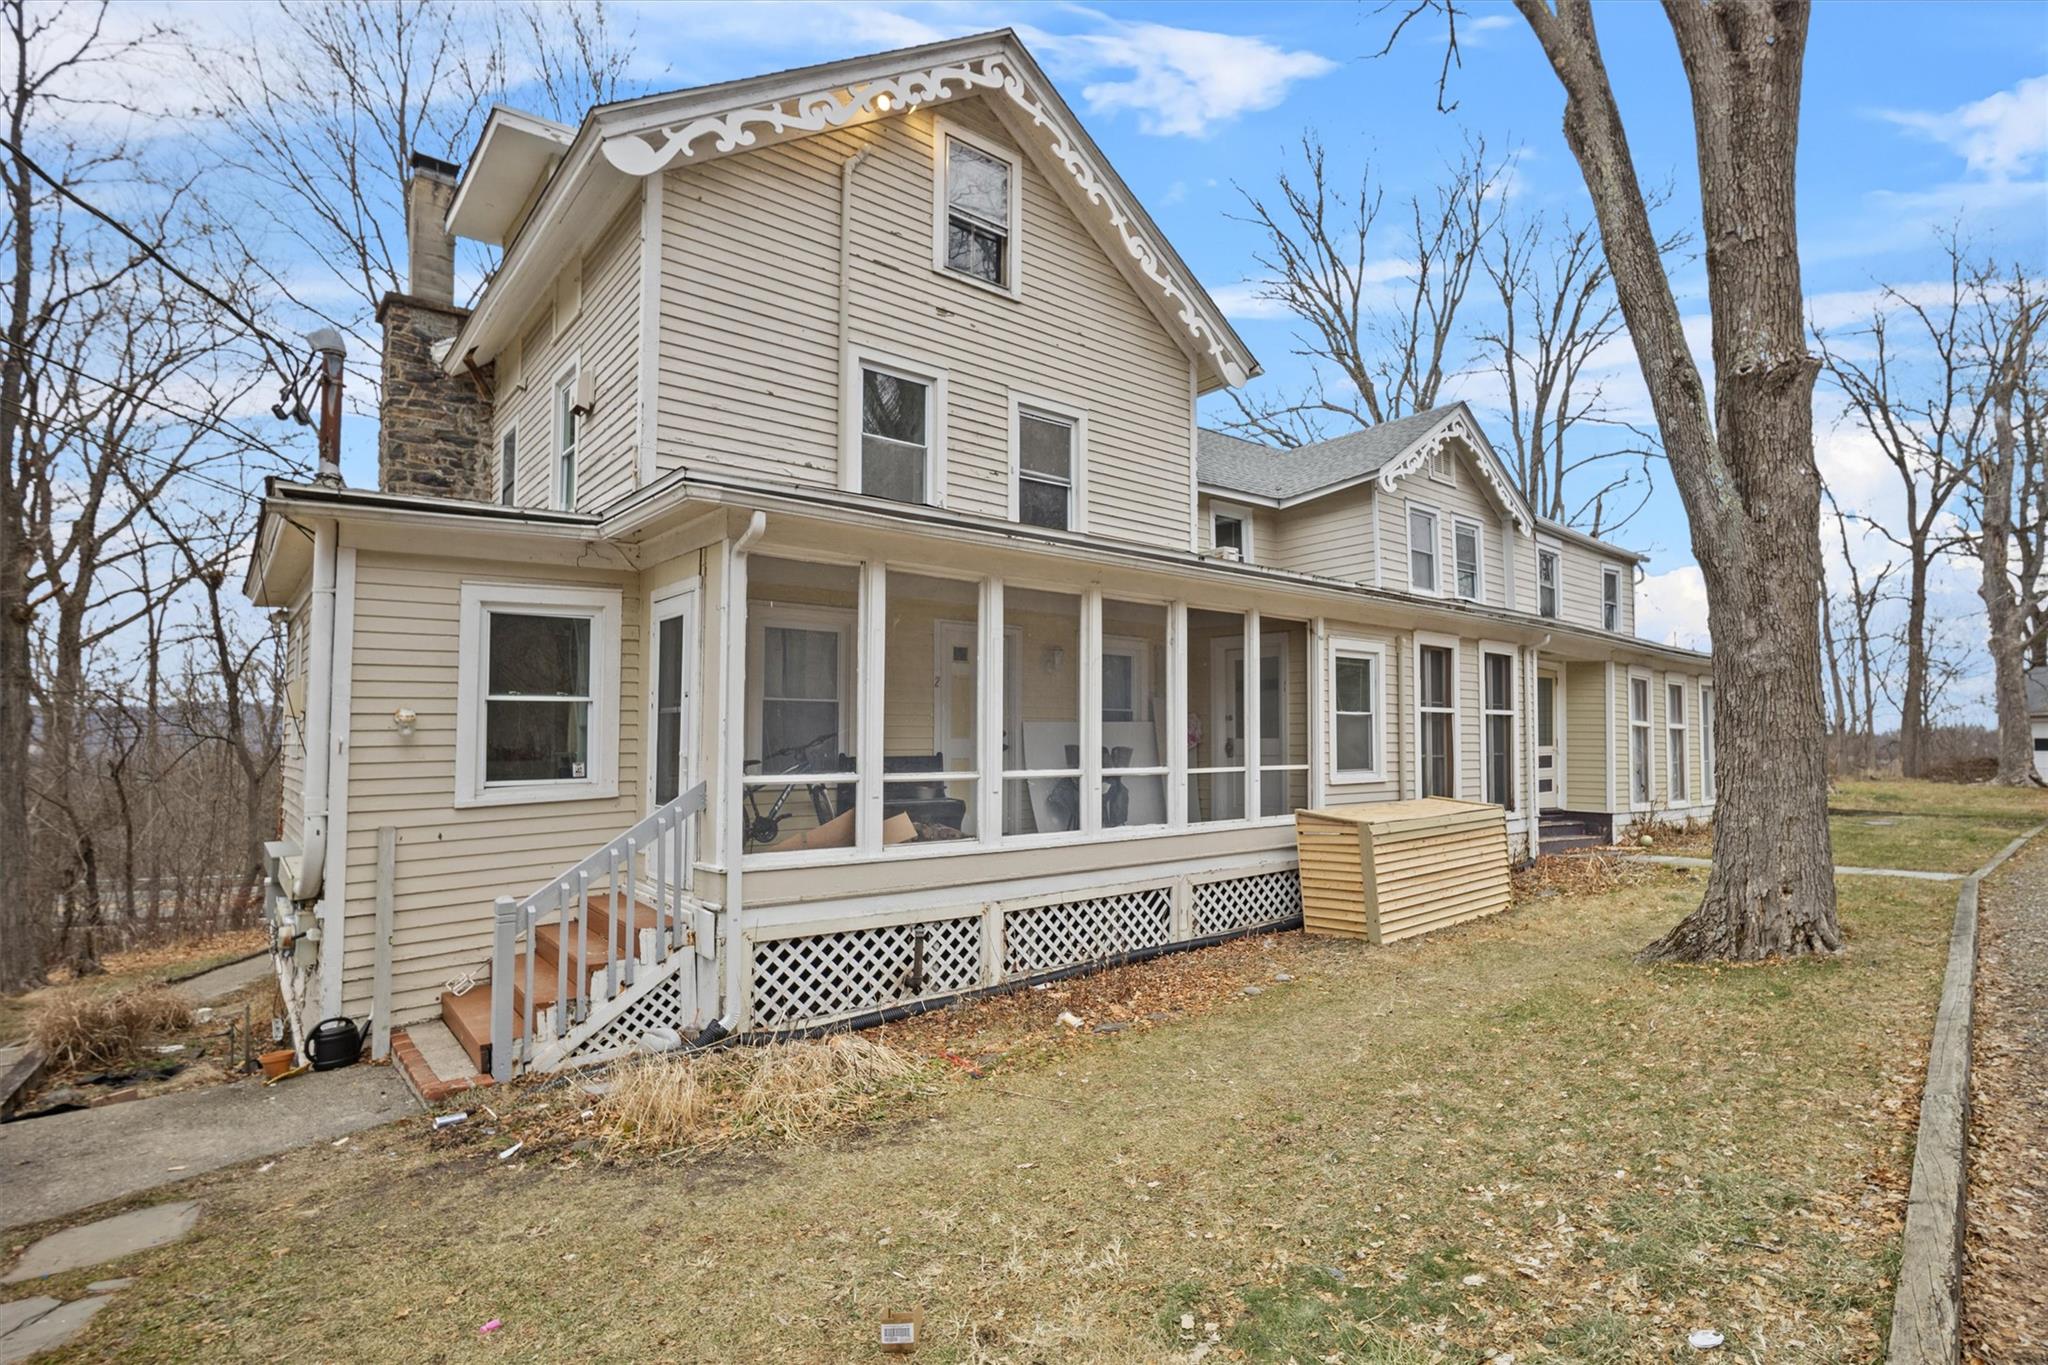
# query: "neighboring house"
(2037, 712)
(829, 440)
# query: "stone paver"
(109, 1239)
(57, 1165)
(2005, 1235)
(50, 1330)
(13, 1314)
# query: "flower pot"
(275, 1064)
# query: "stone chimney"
(434, 429)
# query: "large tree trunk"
(2007, 615)
(1913, 697)
(1746, 469)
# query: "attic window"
(1440, 467)
(976, 233)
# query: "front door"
(675, 687)
(1547, 773)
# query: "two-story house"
(824, 453)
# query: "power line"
(154, 253)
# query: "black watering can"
(335, 1043)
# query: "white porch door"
(1548, 795)
(955, 669)
(673, 694)
(1226, 687)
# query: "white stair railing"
(648, 864)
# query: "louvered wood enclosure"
(1392, 870)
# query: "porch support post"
(1249, 723)
(1532, 808)
(1177, 714)
(1319, 712)
(872, 649)
(990, 671)
(1091, 712)
(504, 932)
(733, 734)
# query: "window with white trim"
(1497, 726)
(978, 194)
(1436, 718)
(568, 430)
(1548, 575)
(1440, 466)
(895, 434)
(1675, 739)
(1231, 533)
(1422, 549)
(1465, 545)
(1707, 741)
(1639, 741)
(1610, 599)
(537, 714)
(508, 464)
(1356, 716)
(1046, 468)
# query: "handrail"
(656, 855)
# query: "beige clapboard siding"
(1330, 536)
(452, 864)
(1579, 573)
(1466, 499)
(1585, 737)
(750, 371)
(603, 338)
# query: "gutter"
(319, 718)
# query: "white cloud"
(1246, 299)
(1671, 607)
(1998, 137)
(1181, 82)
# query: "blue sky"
(1916, 117)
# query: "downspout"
(732, 765)
(319, 702)
(846, 396)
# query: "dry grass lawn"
(1506, 1138)
(127, 970)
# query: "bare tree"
(1742, 457)
(1851, 654)
(1925, 431)
(1385, 320)
(2011, 496)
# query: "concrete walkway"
(1673, 860)
(225, 980)
(57, 1165)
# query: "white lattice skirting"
(811, 979)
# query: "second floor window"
(1227, 533)
(1610, 599)
(978, 200)
(895, 435)
(1546, 583)
(1465, 540)
(568, 426)
(1422, 550)
(1045, 471)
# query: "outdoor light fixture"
(884, 102)
(404, 719)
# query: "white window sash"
(946, 132)
(1375, 659)
(479, 601)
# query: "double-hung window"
(1355, 711)
(901, 417)
(1422, 549)
(976, 235)
(1610, 599)
(1465, 543)
(1707, 741)
(536, 705)
(1436, 717)
(508, 453)
(1230, 534)
(1047, 466)
(1639, 741)
(1674, 739)
(1547, 576)
(568, 429)
(1498, 722)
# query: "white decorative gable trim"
(652, 150)
(1457, 427)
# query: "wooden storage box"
(1394, 869)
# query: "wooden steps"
(468, 1015)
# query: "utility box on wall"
(1392, 870)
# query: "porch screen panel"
(1216, 708)
(929, 692)
(1499, 719)
(1435, 716)
(801, 699)
(1041, 711)
(1135, 743)
(1283, 716)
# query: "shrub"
(80, 1029)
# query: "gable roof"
(618, 144)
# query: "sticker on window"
(578, 770)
